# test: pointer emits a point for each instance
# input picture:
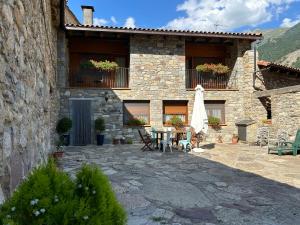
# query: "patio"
(227, 184)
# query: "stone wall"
(157, 73)
(286, 112)
(272, 80)
(282, 100)
(28, 95)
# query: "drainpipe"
(255, 71)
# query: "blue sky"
(225, 15)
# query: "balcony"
(209, 80)
(89, 78)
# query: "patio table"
(160, 135)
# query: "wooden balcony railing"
(89, 78)
(209, 80)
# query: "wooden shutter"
(136, 108)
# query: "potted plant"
(214, 122)
(129, 141)
(267, 121)
(59, 152)
(123, 140)
(63, 126)
(136, 122)
(176, 122)
(213, 68)
(235, 139)
(115, 140)
(99, 127)
(99, 65)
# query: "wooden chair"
(290, 146)
(147, 142)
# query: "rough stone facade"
(28, 95)
(286, 112)
(157, 73)
(283, 98)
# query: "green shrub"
(63, 125)
(97, 202)
(213, 68)
(86, 65)
(136, 122)
(49, 197)
(129, 141)
(176, 122)
(45, 197)
(99, 124)
(213, 121)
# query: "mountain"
(281, 45)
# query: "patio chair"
(290, 146)
(187, 142)
(167, 142)
(146, 141)
(153, 135)
(274, 143)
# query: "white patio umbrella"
(199, 117)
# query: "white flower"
(13, 209)
(94, 192)
(56, 200)
(42, 210)
(32, 202)
(85, 217)
(8, 216)
(36, 213)
(79, 186)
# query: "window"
(175, 108)
(135, 112)
(216, 109)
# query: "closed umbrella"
(199, 117)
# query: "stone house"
(42, 45)
(155, 79)
(278, 88)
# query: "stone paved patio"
(227, 184)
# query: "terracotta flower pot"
(116, 141)
(58, 154)
(235, 140)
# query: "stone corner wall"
(28, 95)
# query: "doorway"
(81, 119)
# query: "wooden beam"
(267, 93)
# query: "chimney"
(87, 14)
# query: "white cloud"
(113, 20)
(287, 22)
(130, 22)
(100, 21)
(226, 14)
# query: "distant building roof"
(278, 67)
(149, 31)
(70, 17)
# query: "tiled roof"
(251, 36)
(273, 65)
